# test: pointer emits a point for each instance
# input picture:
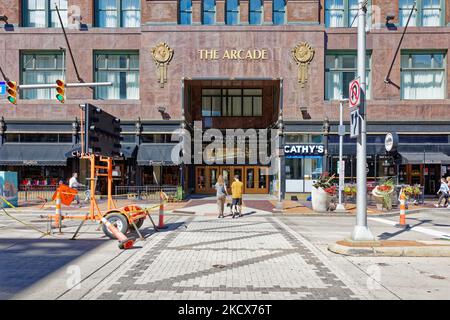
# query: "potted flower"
(383, 194)
(321, 191)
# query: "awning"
(428, 157)
(34, 154)
(157, 154)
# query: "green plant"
(324, 181)
(384, 191)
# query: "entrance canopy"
(429, 157)
(34, 154)
(156, 154)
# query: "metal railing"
(40, 193)
(149, 192)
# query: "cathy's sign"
(303, 150)
(233, 54)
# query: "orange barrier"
(66, 193)
(124, 242)
(402, 222)
(162, 197)
(58, 217)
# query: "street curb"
(330, 214)
(406, 251)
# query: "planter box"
(320, 200)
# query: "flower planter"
(320, 200)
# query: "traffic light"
(102, 132)
(61, 91)
(12, 91)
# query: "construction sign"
(67, 194)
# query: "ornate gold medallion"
(303, 55)
(162, 54)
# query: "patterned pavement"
(254, 257)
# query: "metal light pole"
(361, 232)
(340, 206)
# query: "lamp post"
(325, 132)
(341, 131)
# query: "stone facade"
(159, 24)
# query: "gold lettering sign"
(303, 55)
(233, 54)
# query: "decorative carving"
(162, 54)
(303, 55)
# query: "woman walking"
(221, 193)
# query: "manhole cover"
(218, 266)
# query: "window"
(279, 12)
(43, 14)
(118, 13)
(209, 11)
(231, 102)
(185, 15)
(342, 13)
(120, 68)
(38, 68)
(255, 11)
(429, 13)
(232, 12)
(340, 69)
(423, 75)
(38, 137)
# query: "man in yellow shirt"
(237, 189)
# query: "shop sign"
(391, 142)
(233, 54)
(30, 162)
(303, 150)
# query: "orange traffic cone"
(161, 224)
(402, 223)
(124, 242)
(58, 217)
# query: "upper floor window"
(120, 68)
(209, 12)
(428, 14)
(423, 75)
(231, 102)
(341, 13)
(185, 15)
(340, 69)
(255, 11)
(232, 12)
(38, 68)
(279, 12)
(43, 14)
(118, 13)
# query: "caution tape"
(20, 221)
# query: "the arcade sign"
(303, 150)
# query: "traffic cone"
(58, 216)
(161, 224)
(124, 242)
(402, 223)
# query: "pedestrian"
(443, 190)
(74, 184)
(237, 189)
(221, 194)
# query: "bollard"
(402, 222)
(161, 224)
(58, 216)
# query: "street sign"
(354, 93)
(2, 87)
(355, 120)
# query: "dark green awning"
(34, 154)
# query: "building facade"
(231, 64)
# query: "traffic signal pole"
(361, 232)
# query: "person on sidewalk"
(443, 190)
(221, 194)
(74, 184)
(237, 189)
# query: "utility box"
(9, 193)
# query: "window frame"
(23, 53)
(259, 11)
(97, 53)
(419, 14)
(347, 22)
(224, 98)
(187, 12)
(213, 11)
(412, 69)
(337, 53)
(284, 11)
(48, 14)
(236, 11)
(119, 10)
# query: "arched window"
(185, 12)
(279, 12)
(232, 12)
(209, 12)
(255, 12)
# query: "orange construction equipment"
(162, 197)
(124, 242)
(402, 199)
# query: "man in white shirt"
(74, 184)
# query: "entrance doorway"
(255, 178)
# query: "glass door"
(256, 180)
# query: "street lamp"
(325, 132)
